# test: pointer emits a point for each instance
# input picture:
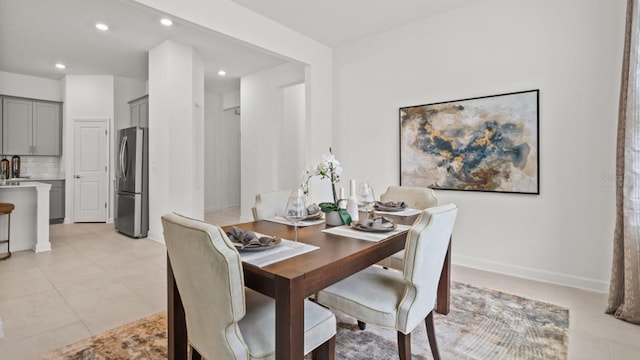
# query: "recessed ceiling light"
(60, 66)
(222, 73)
(166, 22)
(102, 27)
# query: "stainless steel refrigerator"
(132, 201)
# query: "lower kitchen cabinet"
(56, 201)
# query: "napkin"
(391, 204)
(378, 222)
(248, 238)
(313, 209)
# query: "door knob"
(77, 176)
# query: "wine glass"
(296, 210)
(366, 196)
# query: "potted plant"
(329, 168)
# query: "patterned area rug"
(482, 324)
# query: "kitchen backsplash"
(39, 166)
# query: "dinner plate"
(257, 248)
(388, 208)
(388, 226)
(315, 216)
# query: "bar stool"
(6, 209)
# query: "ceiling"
(337, 22)
(36, 34)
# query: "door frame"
(70, 183)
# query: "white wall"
(571, 50)
(85, 97)
(231, 100)
(176, 133)
(293, 134)
(236, 21)
(30, 86)
(125, 90)
(262, 99)
(212, 161)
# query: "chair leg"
(431, 334)
(404, 346)
(195, 355)
(362, 325)
(326, 351)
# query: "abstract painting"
(480, 144)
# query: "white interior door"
(91, 171)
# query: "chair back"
(208, 274)
(415, 197)
(270, 204)
(425, 251)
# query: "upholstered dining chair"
(224, 319)
(401, 300)
(270, 204)
(416, 198)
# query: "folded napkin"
(378, 222)
(391, 204)
(313, 209)
(248, 239)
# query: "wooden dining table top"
(335, 254)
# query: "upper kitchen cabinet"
(140, 112)
(17, 126)
(46, 128)
(31, 127)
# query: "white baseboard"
(532, 274)
(155, 237)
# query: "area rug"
(483, 324)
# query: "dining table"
(294, 279)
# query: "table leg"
(289, 318)
(444, 286)
(176, 322)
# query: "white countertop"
(36, 178)
(22, 184)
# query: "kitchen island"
(30, 218)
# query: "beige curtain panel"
(624, 291)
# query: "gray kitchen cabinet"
(1, 115)
(140, 111)
(31, 127)
(56, 201)
(17, 126)
(46, 128)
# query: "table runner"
(405, 212)
(286, 249)
(347, 231)
(303, 223)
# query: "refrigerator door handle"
(123, 147)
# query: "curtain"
(624, 290)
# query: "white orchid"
(328, 167)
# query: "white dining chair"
(396, 300)
(415, 198)
(270, 204)
(224, 319)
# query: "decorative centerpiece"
(329, 168)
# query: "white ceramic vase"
(333, 218)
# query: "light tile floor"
(95, 279)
